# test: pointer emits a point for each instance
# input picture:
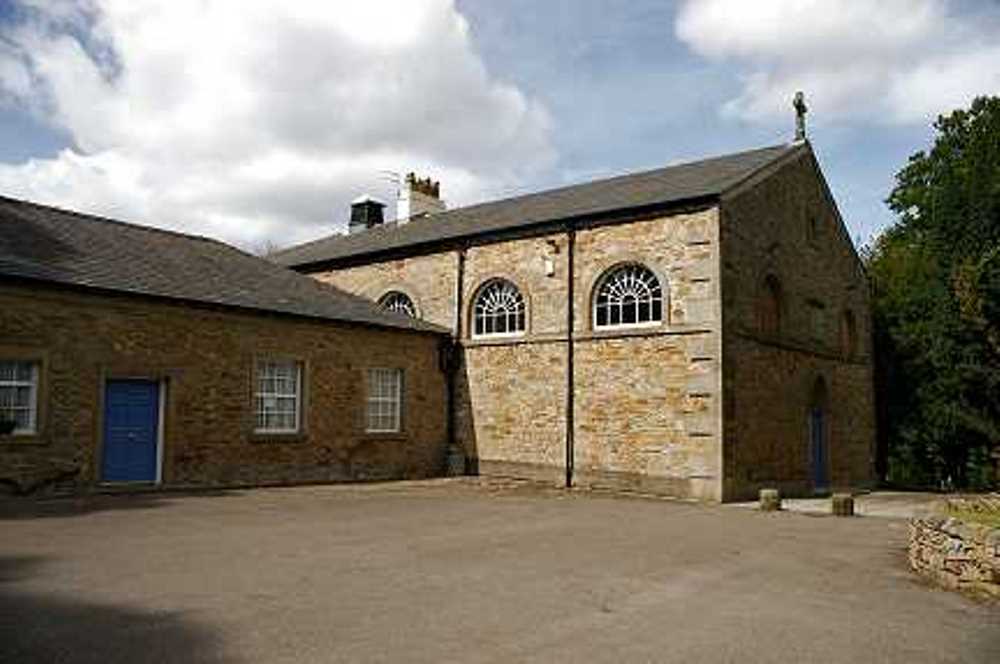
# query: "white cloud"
(263, 118)
(893, 61)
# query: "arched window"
(398, 303)
(498, 310)
(628, 295)
(848, 334)
(769, 307)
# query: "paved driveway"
(454, 572)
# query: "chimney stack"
(418, 197)
(366, 212)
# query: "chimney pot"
(418, 197)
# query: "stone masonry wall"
(206, 356)
(648, 404)
(428, 280)
(786, 226)
(956, 555)
(512, 418)
(647, 401)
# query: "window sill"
(659, 329)
(387, 436)
(278, 437)
(15, 439)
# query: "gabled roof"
(43, 243)
(661, 187)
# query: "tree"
(936, 306)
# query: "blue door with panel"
(131, 426)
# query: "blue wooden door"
(820, 462)
(131, 421)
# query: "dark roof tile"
(664, 186)
(44, 243)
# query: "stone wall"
(784, 224)
(511, 409)
(429, 281)
(647, 401)
(206, 358)
(956, 555)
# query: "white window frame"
(396, 301)
(614, 271)
(476, 310)
(32, 384)
(258, 395)
(388, 404)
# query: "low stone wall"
(956, 555)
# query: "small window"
(628, 295)
(848, 334)
(499, 310)
(18, 397)
(399, 303)
(278, 396)
(817, 321)
(770, 306)
(385, 397)
(812, 228)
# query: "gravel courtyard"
(459, 571)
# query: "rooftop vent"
(366, 212)
(418, 197)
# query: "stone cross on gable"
(799, 103)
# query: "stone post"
(770, 500)
(842, 504)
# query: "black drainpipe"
(570, 382)
(454, 356)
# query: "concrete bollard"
(843, 504)
(770, 500)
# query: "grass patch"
(984, 510)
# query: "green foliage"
(981, 509)
(936, 306)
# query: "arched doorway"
(819, 444)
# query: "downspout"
(457, 462)
(459, 286)
(570, 380)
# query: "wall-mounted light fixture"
(548, 262)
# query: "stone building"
(134, 355)
(701, 330)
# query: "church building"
(701, 330)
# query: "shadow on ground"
(21, 508)
(38, 628)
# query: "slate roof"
(48, 244)
(660, 187)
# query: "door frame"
(819, 450)
(161, 396)
(819, 402)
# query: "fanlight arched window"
(498, 310)
(399, 303)
(628, 295)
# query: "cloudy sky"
(259, 120)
